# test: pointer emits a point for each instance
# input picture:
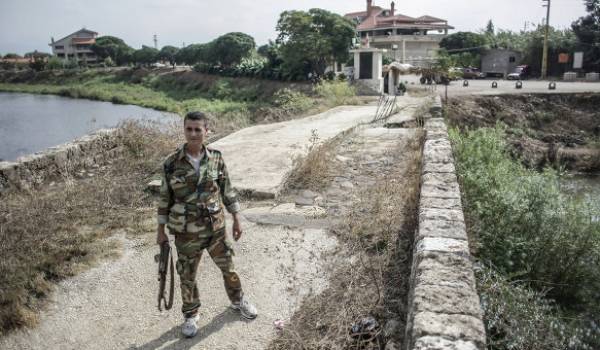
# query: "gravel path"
(113, 306)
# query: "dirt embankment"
(558, 130)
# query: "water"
(585, 187)
(31, 123)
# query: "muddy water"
(585, 187)
(31, 123)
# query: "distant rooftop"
(376, 17)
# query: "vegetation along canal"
(32, 123)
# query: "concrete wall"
(443, 307)
(33, 170)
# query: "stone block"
(439, 343)
(446, 299)
(437, 179)
(441, 203)
(440, 191)
(430, 167)
(441, 229)
(427, 214)
(445, 142)
(436, 135)
(443, 269)
(443, 245)
(451, 327)
(438, 154)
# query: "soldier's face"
(195, 132)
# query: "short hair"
(199, 116)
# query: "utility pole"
(545, 53)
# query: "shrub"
(54, 63)
(291, 101)
(337, 93)
(524, 226)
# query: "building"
(499, 62)
(406, 39)
(76, 46)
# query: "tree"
(37, 53)
(192, 54)
(310, 41)
(12, 56)
(113, 47)
(168, 53)
(231, 48)
(489, 28)
(463, 41)
(587, 31)
(145, 55)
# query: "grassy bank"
(234, 103)
(539, 250)
(57, 230)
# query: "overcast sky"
(26, 25)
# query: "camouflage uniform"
(191, 205)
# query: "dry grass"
(314, 170)
(369, 275)
(53, 232)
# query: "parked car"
(520, 73)
(472, 73)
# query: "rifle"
(163, 259)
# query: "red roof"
(377, 19)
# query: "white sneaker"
(245, 308)
(190, 326)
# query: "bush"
(292, 102)
(54, 63)
(337, 93)
(524, 226)
(518, 318)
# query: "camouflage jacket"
(192, 202)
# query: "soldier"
(195, 188)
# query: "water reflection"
(585, 187)
(31, 123)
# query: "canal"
(31, 123)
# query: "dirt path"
(113, 306)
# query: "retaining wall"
(32, 170)
(443, 307)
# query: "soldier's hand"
(237, 227)
(161, 236)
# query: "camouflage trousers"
(189, 253)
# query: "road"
(484, 87)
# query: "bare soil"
(551, 129)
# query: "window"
(60, 55)
(512, 59)
(59, 47)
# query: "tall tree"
(168, 53)
(587, 30)
(231, 48)
(113, 47)
(310, 41)
(145, 55)
(489, 28)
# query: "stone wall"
(32, 170)
(444, 309)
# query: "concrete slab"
(258, 158)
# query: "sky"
(27, 25)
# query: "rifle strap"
(168, 259)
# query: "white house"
(76, 46)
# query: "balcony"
(396, 39)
